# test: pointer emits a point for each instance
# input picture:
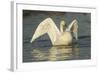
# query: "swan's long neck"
(62, 23)
(61, 28)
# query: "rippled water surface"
(77, 51)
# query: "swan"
(57, 37)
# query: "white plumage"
(57, 37)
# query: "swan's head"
(62, 22)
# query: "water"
(42, 49)
(47, 52)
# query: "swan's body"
(57, 37)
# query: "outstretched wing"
(46, 26)
(73, 27)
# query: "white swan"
(57, 37)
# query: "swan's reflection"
(55, 53)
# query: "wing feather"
(73, 27)
(46, 26)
